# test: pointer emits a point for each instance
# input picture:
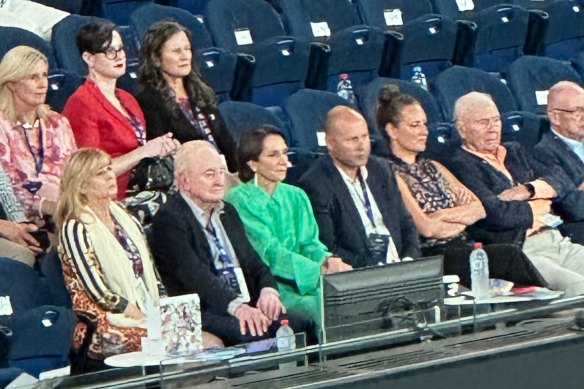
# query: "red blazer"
(97, 123)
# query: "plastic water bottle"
(345, 88)
(419, 77)
(286, 341)
(479, 272)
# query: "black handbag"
(152, 174)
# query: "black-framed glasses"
(112, 53)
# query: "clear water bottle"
(479, 272)
(345, 88)
(285, 339)
(419, 77)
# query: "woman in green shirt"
(279, 221)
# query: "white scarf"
(116, 267)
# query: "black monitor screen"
(381, 298)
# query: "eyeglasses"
(484, 123)
(577, 112)
(112, 53)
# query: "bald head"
(566, 109)
(347, 138)
(192, 153)
(478, 122)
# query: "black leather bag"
(152, 174)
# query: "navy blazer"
(340, 225)
(557, 155)
(506, 221)
(183, 256)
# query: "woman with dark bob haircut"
(108, 118)
(175, 97)
(442, 208)
(279, 222)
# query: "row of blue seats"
(284, 64)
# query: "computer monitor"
(381, 298)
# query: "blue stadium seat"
(500, 36)
(523, 127)
(462, 9)
(306, 111)
(457, 81)
(41, 332)
(355, 49)
(217, 66)
(196, 7)
(118, 11)
(442, 141)
(429, 42)
(241, 117)
(253, 27)
(14, 36)
(530, 77)
(71, 6)
(564, 36)
(392, 14)
(63, 42)
(62, 84)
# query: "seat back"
(564, 36)
(429, 42)
(523, 127)
(241, 117)
(500, 37)
(530, 78)
(14, 36)
(118, 11)
(236, 20)
(462, 9)
(306, 111)
(62, 84)
(392, 14)
(63, 42)
(457, 81)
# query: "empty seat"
(356, 50)
(196, 7)
(253, 27)
(459, 80)
(523, 127)
(500, 36)
(429, 42)
(392, 14)
(462, 9)
(530, 78)
(118, 11)
(564, 36)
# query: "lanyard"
(139, 129)
(223, 255)
(204, 131)
(39, 158)
(365, 199)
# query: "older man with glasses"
(562, 148)
(516, 192)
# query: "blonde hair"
(17, 63)
(81, 166)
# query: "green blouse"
(284, 232)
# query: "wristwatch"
(530, 188)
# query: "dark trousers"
(573, 230)
(506, 261)
(226, 327)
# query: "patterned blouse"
(9, 202)
(430, 189)
(33, 157)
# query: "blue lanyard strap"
(39, 158)
(365, 200)
(223, 255)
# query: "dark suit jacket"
(556, 155)
(183, 256)
(340, 225)
(506, 221)
(159, 121)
